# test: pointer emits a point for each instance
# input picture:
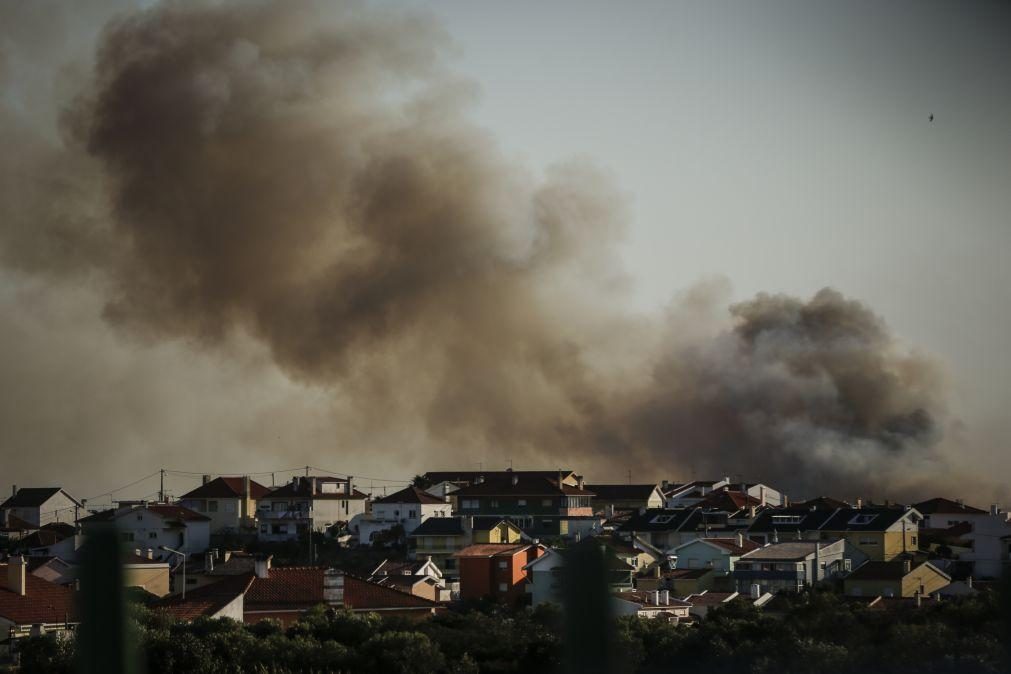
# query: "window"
(140, 517)
(862, 519)
(503, 564)
(468, 503)
(152, 534)
(493, 503)
(546, 503)
(229, 506)
(277, 528)
(522, 503)
(847, 564)
(912, 539)
(127, 537)
(661, 519)
(412, 513)
(212, 506)
(786, 519)
(502, 587)
(867, 540)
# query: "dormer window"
(661, 519)
(786, 519)
(862, 519)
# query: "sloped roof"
(893, 570)
(43, 602)
(468, 476)
(526, 485)
(227, 487)
(491, 549)
(710, 598)
(790, 550)
(163, 510)
(361, 594)
(406, 568)
(660, 519)
(946, 506)
(33, 497)
(411, 494)
(206, 600)
(49, 534)
(621, 492)
(439, 526)
(780, 519)
(863, 519)
(644, 598)
(287, 587)
(822, 503)
(728, 501)
(731, 546)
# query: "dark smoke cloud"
(305, 175)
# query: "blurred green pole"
(104, 645)
(589, 627)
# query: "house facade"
(897, 578)
(540, 506)
(308, 502)
(882, 534)
(718, 554)
(792, 566)
(496, 571)
(229, 503)
(30, 605)
(151, 526)
(657, 605)
(37, 506)
(407, 508)
(615, 497)
(438, 538)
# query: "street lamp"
(183, 555)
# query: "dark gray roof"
(863, 519)
(32, 497)
(439, 526)
(662, 519)
(789, 551)
(790, 519)
(410, 495)
(621, 492)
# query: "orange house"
(496, 570)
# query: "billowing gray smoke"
(305, 175)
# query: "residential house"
(154, 525)
(407, 508)
(36, 506)
(56, 539)
(881, 533)
(52, 569)
(545, 574)
(228, 502)
(31, 606)
(496, 570)
(609, 498)
(792, 566)
(439, 537)
(654, 605)
(319, 503)
(771, 526)
(897, 578)
(465, 478)
(980, 538)
(540, 506)
(224, 598)
(703, 602)
(718, 554)
(141, 569)
(820, 503)
(688, 494)
(680, 582)
(664, 528)
(422, 578)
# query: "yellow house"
(146, 573)
(440, 537)
(880, 533)
(898, 578)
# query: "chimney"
(968, 582)
(785, 501)
(262, 566)
(515, 479)
(14, 490)
(560, 476)
(208, 562)
(919, 599)
(149, 553)
(664, 598)
(860, 503)
(775, 536)
(752, 512)
(580, 482)
(351, 487)
(205, 479)
(137, 552)
(333, 587)
(225, 557)
(740, 539)
(994, 509)
(655, 596)
(479, 479)
(609, 510)
(755, 590)
(17, 576)
(761, 494)
(817, 575)
(312, 486)
(907, 566)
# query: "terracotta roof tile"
(227, 487)
(411, 495)
(361, 594)
(43, 602)
(491, 549)
(207, 600)
(287, 587)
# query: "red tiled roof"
(490, 549)
(227, 487)
(946, 506)
(361, 594)
(178, 512)
(43, 602)
(287, 587)
(206, 600)
(729, 501)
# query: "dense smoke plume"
(305, 175)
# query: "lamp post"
(183, 555)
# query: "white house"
(990, 543)
(408, 508)
(657, 605)
(719, 554)
(37, 506)
(229, 502)
(311, 501)
(151, 526)
(794, 565)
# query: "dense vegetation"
(817, 632)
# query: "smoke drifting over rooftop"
(306, 175)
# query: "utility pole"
(307, 471)
(161, 488)
(272, 480)
(630, 476)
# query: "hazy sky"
(785, 146)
